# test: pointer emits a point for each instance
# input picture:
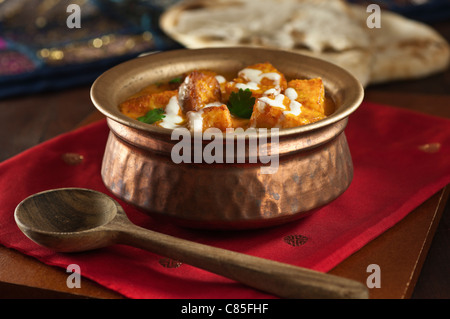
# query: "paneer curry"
(259, 96)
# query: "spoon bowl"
(75, 220)
(68, 219)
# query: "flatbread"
(332, 30)
(403, 48)
(283, 23)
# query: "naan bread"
(329, 29)
(283, 23)
(403, 48)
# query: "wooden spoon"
(74, 219)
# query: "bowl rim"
(112, 112)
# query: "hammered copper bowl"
(315, 165)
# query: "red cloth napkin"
(400, 159)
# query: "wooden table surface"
(413, 266)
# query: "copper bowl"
(314, 168)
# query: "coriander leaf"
(152, 116)
(241, 103)
(176, 80)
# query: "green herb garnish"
(241, 103)
(152, 116)
(176, 80)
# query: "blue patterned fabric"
(39, 52)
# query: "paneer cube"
(223, 83)
(199, 89)
(208, 117)
(218, 117)
(139, 105)
(281, 112)
(259, 78)
(311, 93)
(268, 111)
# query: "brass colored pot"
(314, 167)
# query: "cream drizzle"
(273, 91)
(220, 79)
(254, 75)
(277, 102)
(254, 78)
(290, 93)
(252, 86)
(182, 90)
(213, 104)
(172, 112)
(195, 120)
(294, 105)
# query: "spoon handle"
(277, 278)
